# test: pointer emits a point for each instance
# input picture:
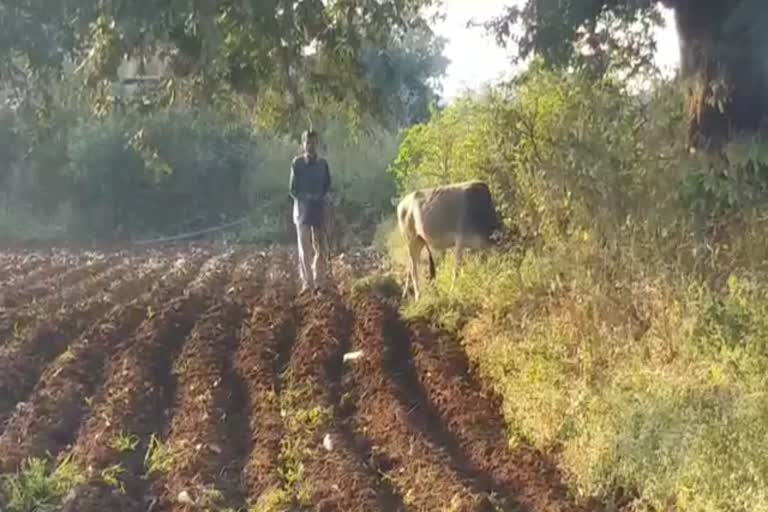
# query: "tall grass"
(626, 325)
(648, 380)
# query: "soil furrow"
(265, 344)
(49, 267)
(470, 424)
(18, 319)
(132, 406)
(50, 418)
(324, 473)
(197, 437)
(422, 473)
(18, 296)
(22, 363)
(17, 265)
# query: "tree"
(722, 42)
(285, 52)
(402, 74)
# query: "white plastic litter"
(328, 442)
(351, 356)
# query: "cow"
(454, 215)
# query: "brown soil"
(420, 468)
(244, 381)
(334, 479)
(264, 344)
(51, 416)
(15, 296)
(18, 319)
(468, 422)
(17, 265)
(136, 398)
(22, 363)
(198, 433)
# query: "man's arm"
(327, 181)
(292, 182)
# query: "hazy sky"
(475, 58)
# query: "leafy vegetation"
(295, 55)
(37, 487)
(722, 51)
(624, 323)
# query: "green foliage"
(169, 172)
(384, 285)
(598, 36)
(625, 322)
(117, 190)
(298, 55)
(160, 456)
(38, 488)
(564, 152)
(402, 73)
(723, 68)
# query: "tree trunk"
(721, 62)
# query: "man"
(309, 186)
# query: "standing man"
(309, 186)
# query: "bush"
(626, 325)
(129, 176)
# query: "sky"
(477, 60)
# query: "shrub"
(626, 324)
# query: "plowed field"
(199, 379)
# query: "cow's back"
(444, 213)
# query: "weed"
(272, 500)
(37, 488)
(159, 458)
(111, 476)
(124, 443)
(302, 422)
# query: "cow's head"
(498, 231)
(497, 237)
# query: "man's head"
(310, 140)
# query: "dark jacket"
(309, 184)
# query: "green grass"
(125, 443)
(302, 420)
(160, 457)
(384, 285)
(646, 376)
(39, 486)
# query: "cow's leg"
(457, 261)
(408, 273)
(414, 251)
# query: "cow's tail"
(432, 271)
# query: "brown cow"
(456, 215)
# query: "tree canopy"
(291, 52)
(723, 51)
